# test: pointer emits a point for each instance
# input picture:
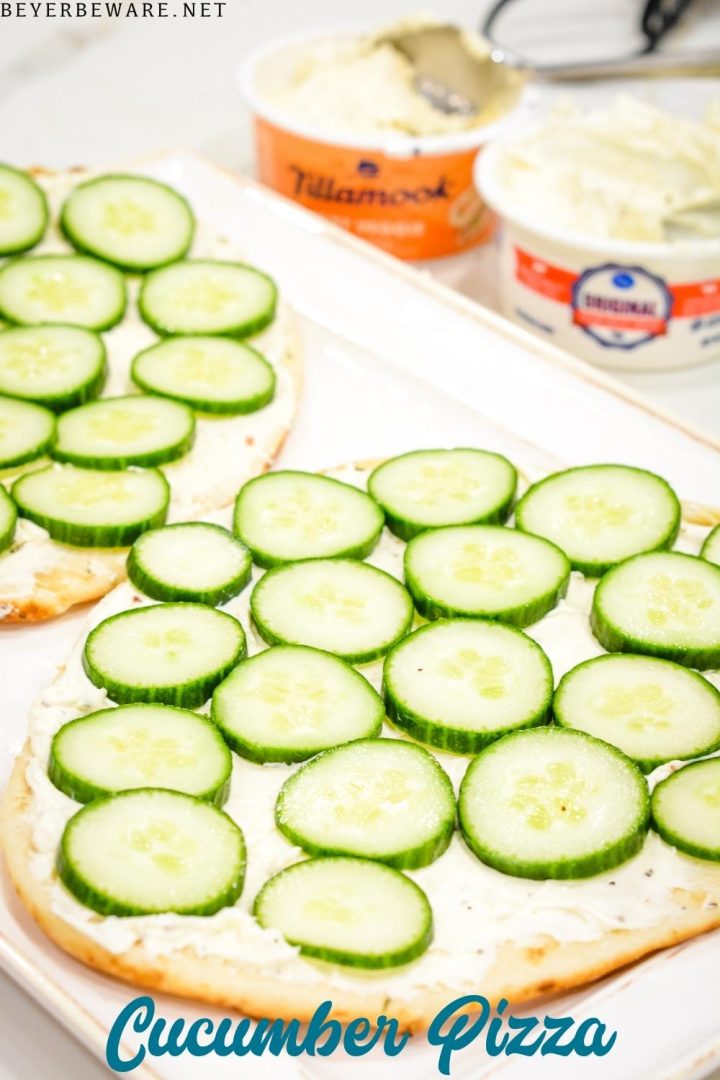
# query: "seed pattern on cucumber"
(192, 560)
(459, 684)
(348, 911)
(686, 809)
(26, 431)
(553, 803)
(289, 702)
(55, 366)
(133, 222)
(149, 851)
(23, 211)
(485, 571)
(663, 604)
(211, 374)
(174, 654)
(431, 488)
(341, 605)
(137, 746)
(364, 799)
(74, 290)
(206, 296)
(287, 516)
(117, 432)
(651, 709)
(601, 514)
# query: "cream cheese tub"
(610, 238)
(340, 129)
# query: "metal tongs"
(456, 81)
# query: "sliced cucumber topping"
(150, 851)
(68, 289)
(26, 431)
(23, 211)
(345, 607)
(460, 684)
(131, 221)
(286, 516)
(652, 710)
(117, 432)
(664, 604)
(190, 561)
(429, 488)
(55, 366)
(601, 514)
(175, 654)
(686, 809)
(89, 508)
(348, 911)
(487, 572)
(213, 375)
(289, 702)
(203, 296)
(711, 547)
(139, 746)
(552, 803)
(8, 519)
(379, 799)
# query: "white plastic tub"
(412, 195)
(619, 304)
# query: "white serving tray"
(393, 362)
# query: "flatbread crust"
(518, 973)
(73, 576)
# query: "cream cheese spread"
(364, 85)
(630, 171)
(475, 908)
(226, 452)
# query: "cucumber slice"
(601, 514)
(364, 799)
(150, 851)
(711, 547)
(213, 375)
(8, 519)
(653, 710)
(89, 508)
(175, 654)
(348, 911)
(23, 211)
(485, 571)
(460, 684)
(189, 561)
(553, 803)
(130, 221)
(26, 431)
(117, 432)
(345, 607)
(664, 604)
(430, 488)
(67, 289)
(289, 702)
(204, 296)
(686, 809)
(56, 366)
(287, 516)
(138, 746)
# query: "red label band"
(620, 322)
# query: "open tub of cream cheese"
(341, 129)
(610, 237)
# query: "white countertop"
(97, 91)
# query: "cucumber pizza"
(408, 752)
(109, 427)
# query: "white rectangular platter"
(393, 361)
